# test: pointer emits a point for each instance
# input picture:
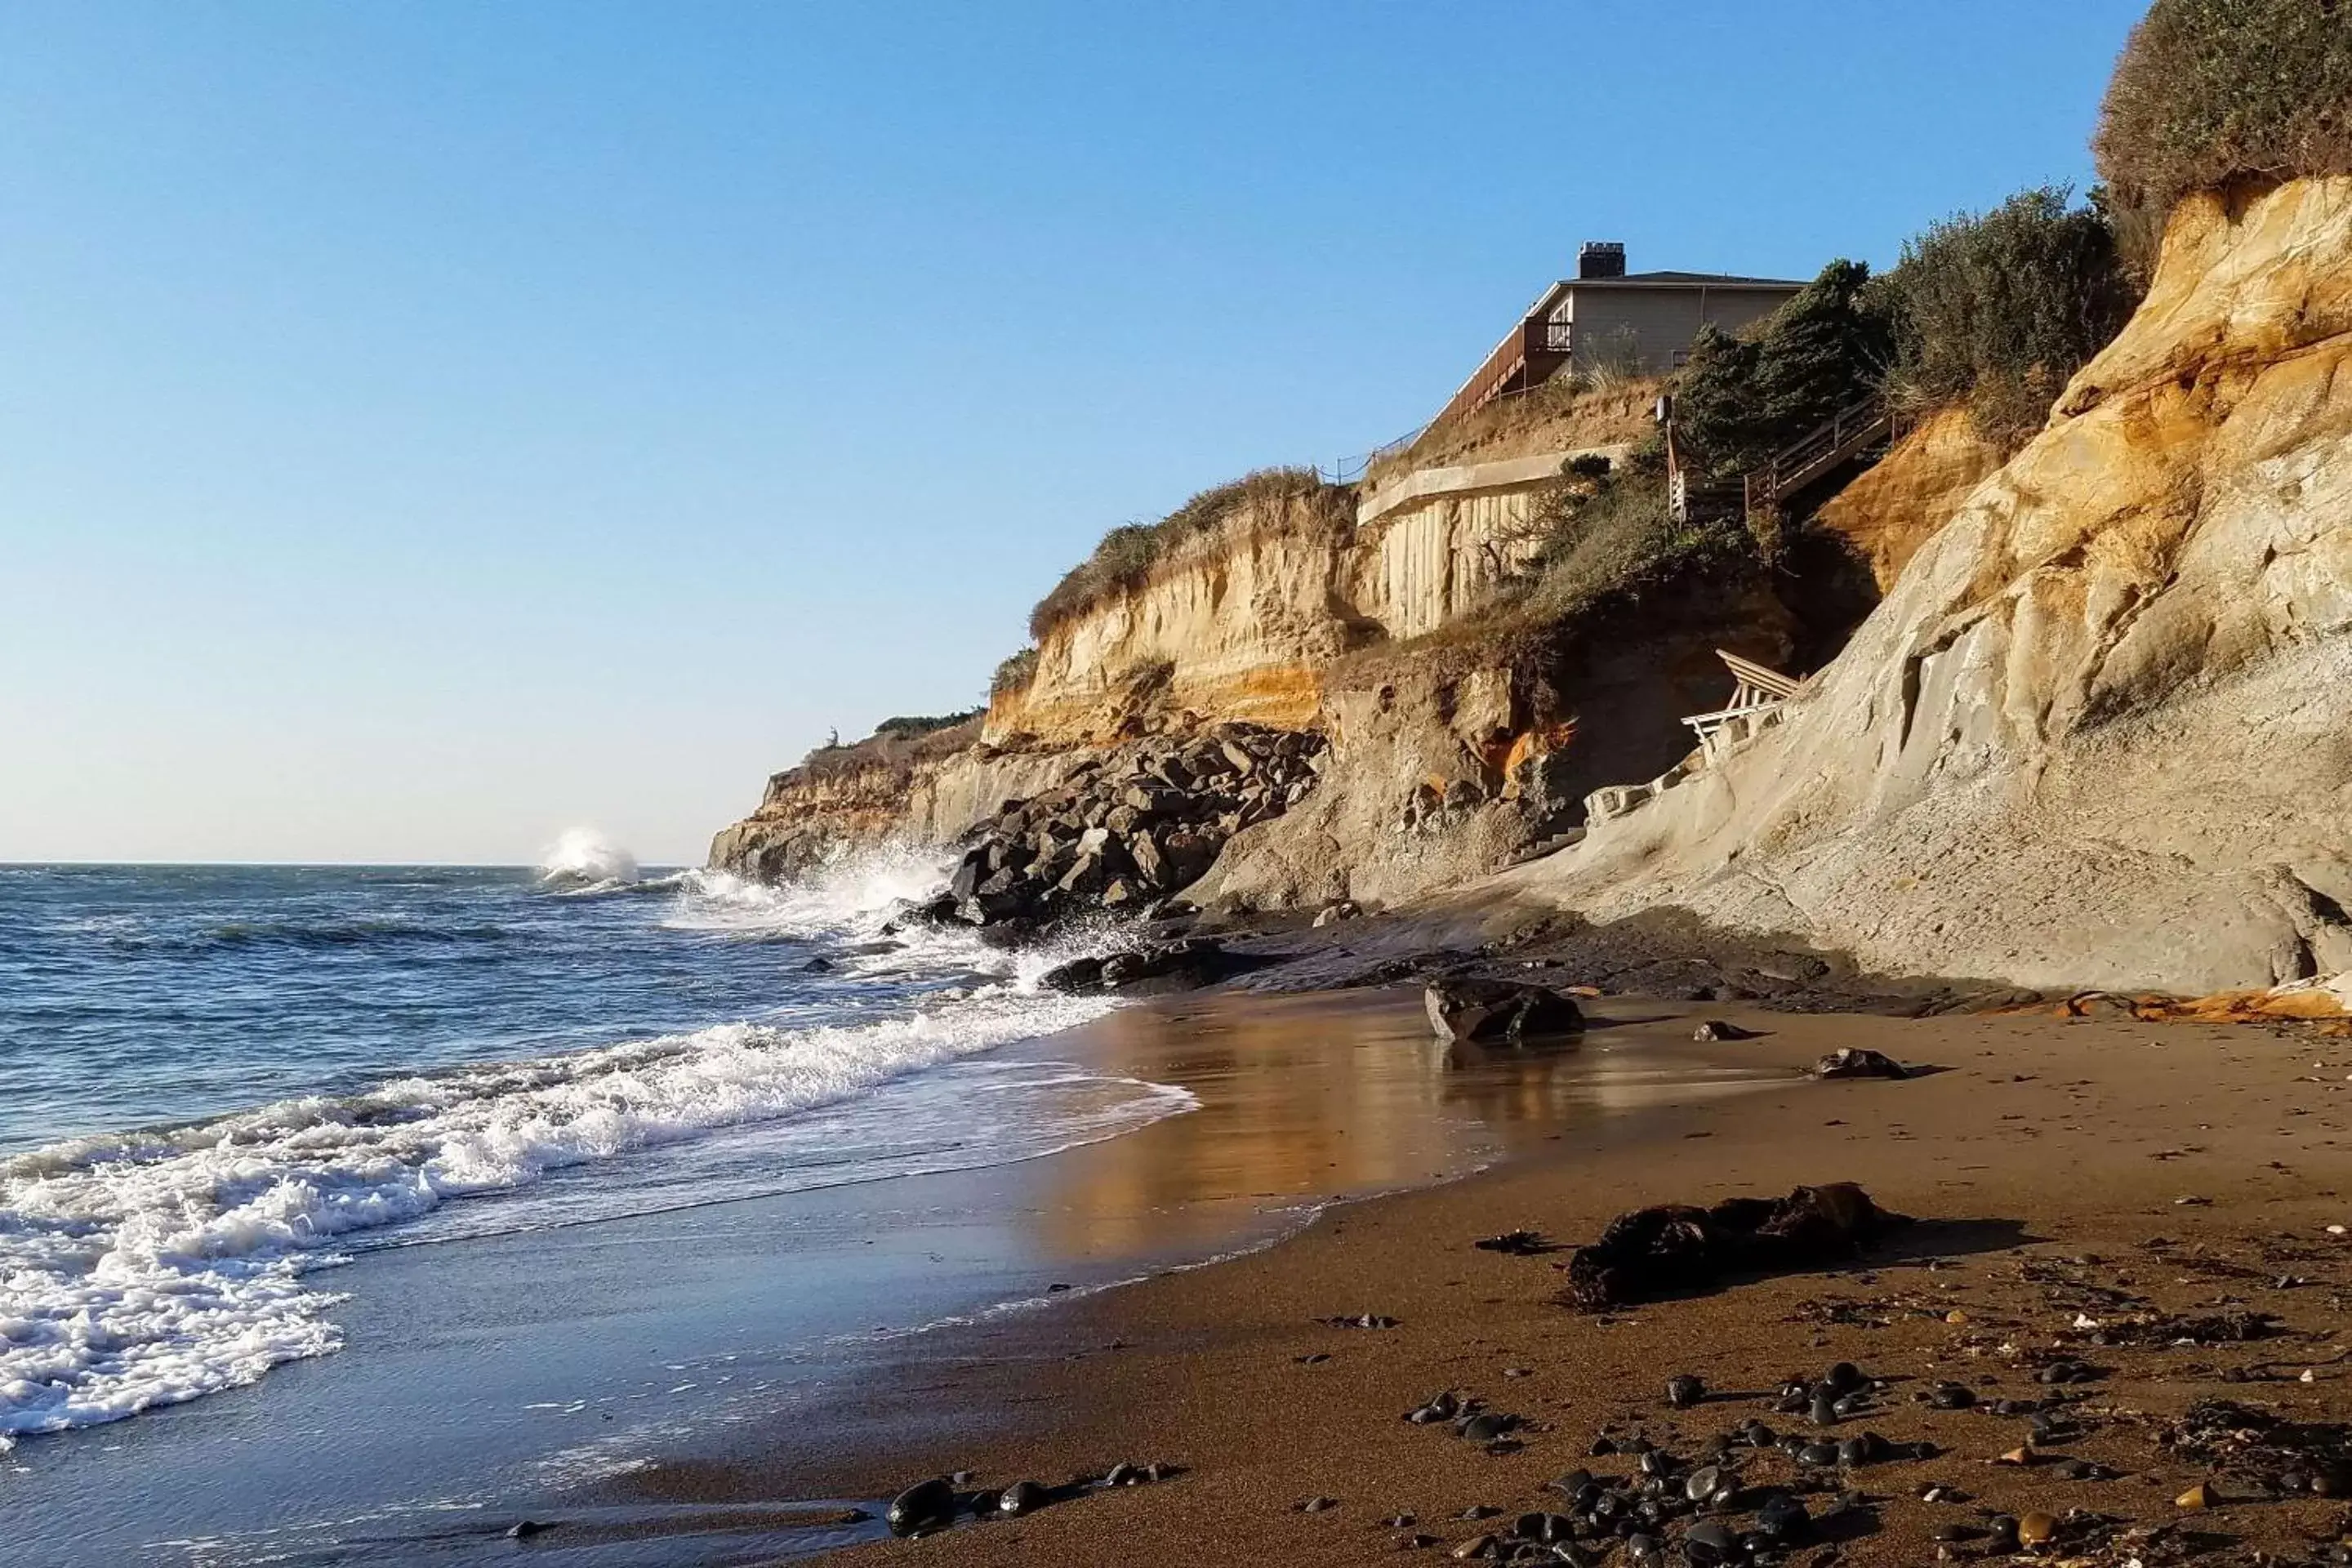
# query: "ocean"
(353, 1215)
(218, 1084)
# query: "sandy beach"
(2062, 1174)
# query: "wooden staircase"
(1862, 430)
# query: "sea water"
(216, 1083)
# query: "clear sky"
(428, 426)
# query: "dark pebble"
(925, 1505)
(1709, 1544)
(1020, 1498)
(1685, 1391)
(1782, 1518)
(1547, 1527)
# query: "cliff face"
(1895, 507)
(1446, 763)
(2101, 729)
(927, 794)
(1275, 616)
(1244, 622)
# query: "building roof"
(1687, 279)
(1552, 295)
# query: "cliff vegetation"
(1124, 558)
(2210, 92)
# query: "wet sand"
(512, 1378)
(2047, 1162)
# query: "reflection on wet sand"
(1302, 1098)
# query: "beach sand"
(2046, 1162)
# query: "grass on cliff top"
(1607, 544)
(2210, 92)
(1123, 562)
(1611, 539)
(896, 744)
(1013, 673)
(1565, 412)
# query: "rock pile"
(1131, 829)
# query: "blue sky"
(426, 427)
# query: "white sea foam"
(860, 895)
(584, 860)
(149, 1268)
(853, 894)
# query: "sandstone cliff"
(1893, 508)
(927, 791)
(1289, 612)
(2101, 729)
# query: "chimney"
(1600, 259)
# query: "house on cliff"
(1640, 324)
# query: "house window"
(1678, 358)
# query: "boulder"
(925, 1505)
(1191, 852)
(1672, 1248)
(1857, 1061)
(1076, 977)
(970, 872)
(1164, 966)
(1498, 1011)
(1150, 864)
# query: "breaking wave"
(153, 1267)
(582, 860)
(156, 1266)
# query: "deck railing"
(1846, 434)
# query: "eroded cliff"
(1314, 607)
(2101, 729)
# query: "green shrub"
(1741, 400)
(1996, 309)
(1015, 674)
(1127, 554)
(2212, 92)
(1612, 537)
